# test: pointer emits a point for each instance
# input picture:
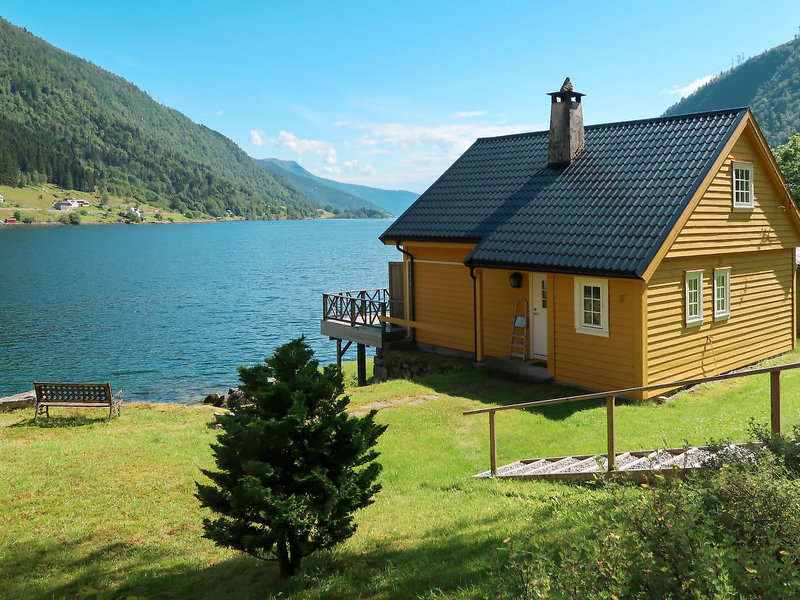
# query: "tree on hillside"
(788, 158)
(293, 465)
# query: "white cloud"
(338, 123)
(470, 113)
(374, 151)
(257, 137)
(453, 140)
(354, 166)
(219, 113)
(691, 88)
(289, 141)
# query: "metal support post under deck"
(775, 401)
(339, 353)
(362, 364)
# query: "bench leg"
(35, 413)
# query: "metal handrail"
(610, 396)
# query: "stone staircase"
(639, 464)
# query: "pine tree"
(293, 465)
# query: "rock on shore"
(23, 400)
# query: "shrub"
(731, 534)
(785, 448)
(293, 465)
(70, 219)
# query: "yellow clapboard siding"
(443, 252)
(759, 326)
(443, 295)
(714, 227)
(592, 361)
(498, 300)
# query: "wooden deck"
(638, 465)
(357, 317)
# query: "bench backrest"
(73, 392)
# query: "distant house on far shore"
(2, 199)
(67, 204)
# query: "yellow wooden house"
(638, 252)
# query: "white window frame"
(736, 190)
(721, 313)
(580, 325)
(689, 276)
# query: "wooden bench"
(81, 395)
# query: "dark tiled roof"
(607, 213)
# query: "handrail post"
(492, 445)
(611, 434)
(775, 401)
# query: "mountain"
(394, 202)
(768, 83)
(67, 121)
(316, 189)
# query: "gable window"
(742, 185)
(591, 306)
(722, 292)
(694, 297)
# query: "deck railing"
(610, 398)
(358, 307)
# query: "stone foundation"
(409, 364)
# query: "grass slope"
(96, 509)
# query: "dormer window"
(742, 185)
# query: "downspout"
(474, 312)
(411, 309)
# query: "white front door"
(538, 306)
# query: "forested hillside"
(72, 123)
(768, 83)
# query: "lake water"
(167, 312)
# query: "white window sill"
(589, 331)
(718, 318)
(694, 323)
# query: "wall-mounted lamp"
(515, 279)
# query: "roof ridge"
(736, 110)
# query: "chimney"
(566, 126)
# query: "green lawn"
(96, 509)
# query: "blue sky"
(390, 93)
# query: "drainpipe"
(410, 310)
(474, 312)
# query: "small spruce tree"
(293, 465)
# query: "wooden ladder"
(519, 330)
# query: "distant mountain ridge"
(340, 195)
(77, 125)
(768, 83)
